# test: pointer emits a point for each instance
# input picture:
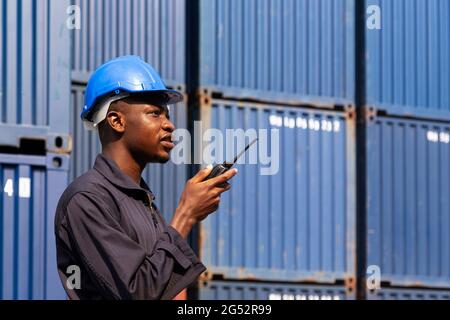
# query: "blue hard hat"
(128, 74)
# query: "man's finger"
(202, 174)
(222, 188)
(216, 181)
(225, 185)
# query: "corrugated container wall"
(31, 188)
(35, 73)
(223, 290)
(286, 51)
(408, 58)
(408, 203)
(293, 217)
(152, 29)
(86, 144)
(409, 294)
(165, 180)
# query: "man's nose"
(168, 125)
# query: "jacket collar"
(109, 169)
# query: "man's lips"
(167, 144)
(166, 141)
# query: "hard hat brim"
(173, 96)
(168, 97)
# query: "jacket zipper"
(152, 212)
(155, 221)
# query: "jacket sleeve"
(120, 267)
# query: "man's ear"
(116, 120)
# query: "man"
(107, 226)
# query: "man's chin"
(163, 159)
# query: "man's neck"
(125, 162)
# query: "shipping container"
(152, 29)
(86, 144)
(408, 209)
(408, 294)
(407, 66)
(35, 75)
(165, 180)
(240, 290)
(287, 51)
(31, 187)
(291, 216)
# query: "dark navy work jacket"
(110, 235)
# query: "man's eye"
(156, 113)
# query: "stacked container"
(34, 144)
(408, 149)
(296, 224)
(242, 290)
(285, 67)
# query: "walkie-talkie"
(225, 166)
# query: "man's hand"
(199, 199)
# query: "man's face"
(148, 131)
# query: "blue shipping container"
(408, 70)
(152, 29)
(31, 187)
(165, 180)
(297, 224)
(35, 73)
(408, 294)
(86, 144)
(286, 51)
(408, 204)
(239, 290)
